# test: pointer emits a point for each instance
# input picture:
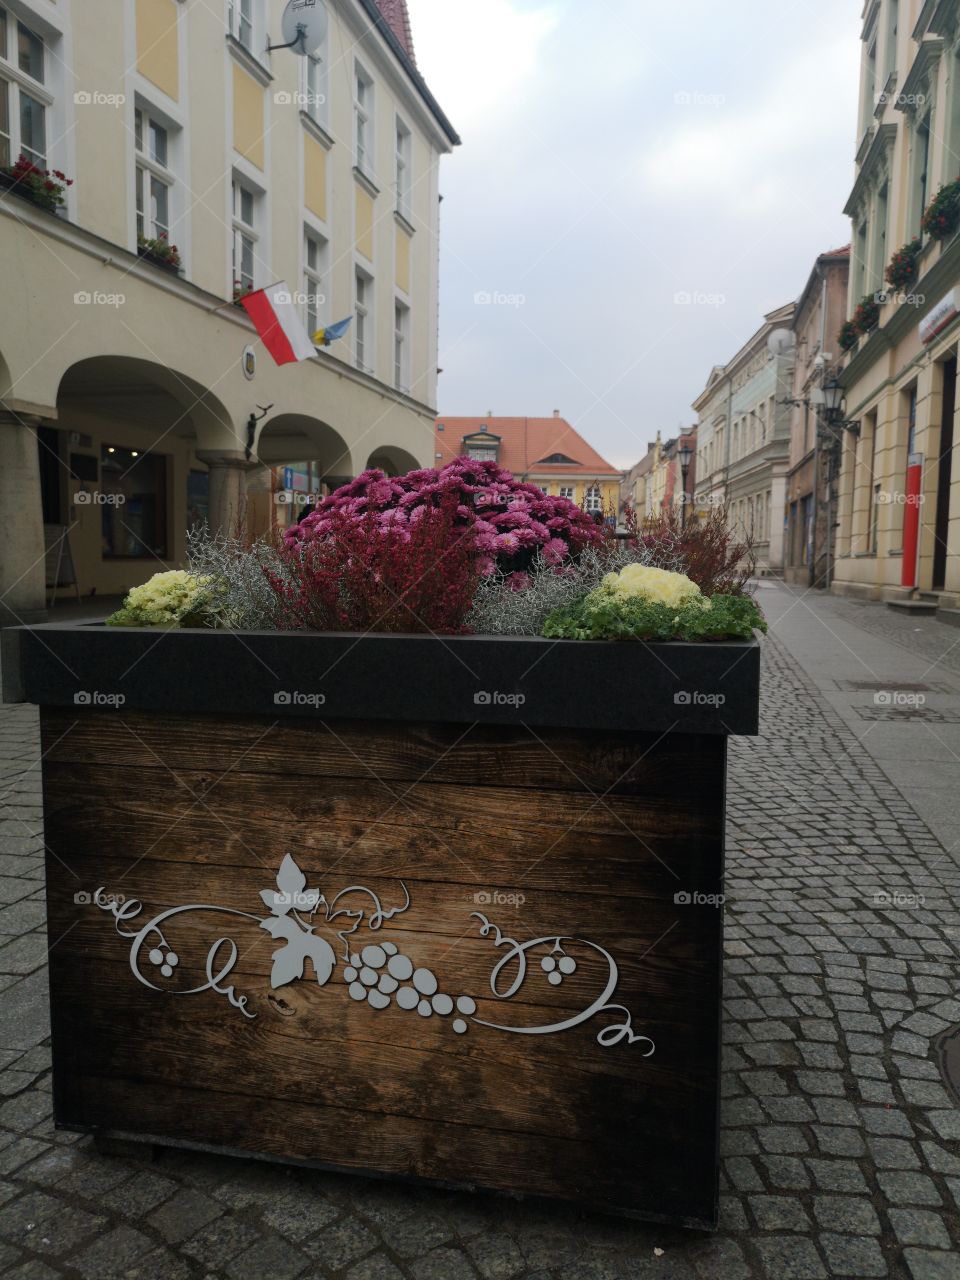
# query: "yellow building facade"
(900, 376)
(135, 396)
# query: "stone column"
(227, 502)
(22, 568)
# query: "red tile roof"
(396, 14)
(524, 442)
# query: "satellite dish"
(780, 342)
(304, 24)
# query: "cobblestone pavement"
(840, 1142)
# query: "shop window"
(198, 499)
(133, 502)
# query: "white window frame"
(314, 280)
(403, 160)
(567, 491)
(148, 170)
(245, 24)
(593, 499)
(315, 98)
(14, 82)
(243, 230)
(401, 345)
(364, 139)
(364, 337)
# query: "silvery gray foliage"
(501, 610)
(243, 599)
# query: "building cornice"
(870, 19)
(380, 24)
(876, 162)
(108, 254)
(261, 73)
(919, 75)
(863, 146)
(944, 20)
(923, 20)
(935, 284)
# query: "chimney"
(556, 413)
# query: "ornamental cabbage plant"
(659, 585)
(512, 521)
(172, 599)
(645, 603)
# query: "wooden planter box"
(444, 909)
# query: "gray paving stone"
(893, 1153)
(114, 1255)
(300, 1213)
(927, 1265)
(183, 1215)
(790, 1258)
(779, 1213)
(909, 1188)
(444, 1264)
(854, 1215)
(786, 1171)
(919, 1226)
(279, 1260)
(853, 1256)
(222, 1239)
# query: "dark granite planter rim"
(680, 687)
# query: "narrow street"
(840, 1135)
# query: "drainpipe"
(816, 446)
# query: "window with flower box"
(24, 99)
(154, 180)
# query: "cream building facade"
(900, 378)
(743, 437)
(133, 398)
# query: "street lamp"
(832, 397)
(684, 453)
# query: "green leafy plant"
(604, 616)
(45, 188)
(867, 314)
(160, 250)
(942, 215)
(848, 335)
(903, 267)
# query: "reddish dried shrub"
(704, 549)
(361, 576)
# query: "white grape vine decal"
(376, 972)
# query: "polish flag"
(278, 323)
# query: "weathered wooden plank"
(478, 755)
(609, 1173)
(387, 1089)
(447, 830)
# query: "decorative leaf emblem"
(302, 943)
(288, 962)
(293, 893)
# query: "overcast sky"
(617, 153)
